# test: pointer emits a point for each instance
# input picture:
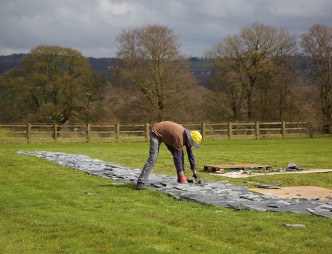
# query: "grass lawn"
(48, 208)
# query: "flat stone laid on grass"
(222, 193)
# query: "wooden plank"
(235, 166)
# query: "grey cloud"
(92, 26)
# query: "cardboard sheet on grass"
(301, 192)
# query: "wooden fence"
(140, 132)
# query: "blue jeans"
(155, 143)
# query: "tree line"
(254, 77)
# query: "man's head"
(194, 138)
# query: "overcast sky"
(91, 26)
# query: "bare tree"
(317, 42)
(152, 62)
(251, 61)
(228, 97)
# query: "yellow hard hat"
(194, 138)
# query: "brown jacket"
(171, 134)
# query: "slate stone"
(255, 207)
(295, 225)
(237, 206)
(251, 197)
(320, 212)
(118, 184)
(96, 171)
(157, 185)
(326, 207)
(194, 189)
(279, 203)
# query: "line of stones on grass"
(221, 193)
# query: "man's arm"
(191, 158)
(192, 162)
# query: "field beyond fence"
(116, 132)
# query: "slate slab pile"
(221, 193)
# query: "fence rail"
(140, 132)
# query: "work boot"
(182, 179)
(140, 186)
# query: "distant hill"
(200, 68)
(101, 64)
(197, 65)
(9, 62)
(12, 61)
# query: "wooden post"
(257, 130)
(88, 132)
(283, 129)
(310, 130)
(203, 131)
(230, 131)
(55, 132)
(29, 133)
(117, 132)
(147, 132)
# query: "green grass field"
(47, 208)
